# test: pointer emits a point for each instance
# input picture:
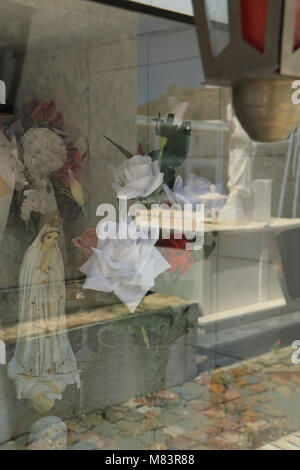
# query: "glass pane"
(254, 15)
(218, 22)
(173, 348)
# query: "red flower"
(175, 253)
(140, 150)
(172, 242)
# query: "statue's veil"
(33, 256)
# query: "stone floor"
(245, 406)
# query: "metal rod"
(297, 184)
(286, 174)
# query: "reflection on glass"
(241, 158)
(218, 20)
(48, 433)
(43, 363)
(206, 359)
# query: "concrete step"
(241, 342)
(244, 315)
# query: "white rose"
(126, 267)
(188, 194)
(137, 177)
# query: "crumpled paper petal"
(188, 194)
(138, 177)
(126, 267)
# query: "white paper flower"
(41, 200)
(126, 267)
(33, 201)
(21, 181)
(137, 177)
(188, 194)
(44, 151)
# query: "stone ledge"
(154, 303)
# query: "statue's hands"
(44, 267)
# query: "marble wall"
(82, 56)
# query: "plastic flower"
(87, 241)
(47, 114)
(178, 257)
(43, 151)
(188, 194)
(137, 177)
(34, 201)
(21, 180)
(41, 199)
(128, 267)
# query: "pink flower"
(48, 115)
(176, 255)
(87, 241)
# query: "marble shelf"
(144, 220)
(240, 273)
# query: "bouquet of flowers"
(50, 163)
(142, 176)
(152, 179)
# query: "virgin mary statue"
(43, 363)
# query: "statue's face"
(50, 239)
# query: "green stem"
(85, 214)
(163, 142)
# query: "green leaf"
(145, 337)
(154, 154)
(205, 253)
(177, 148)
(169, 176)
(121, 149)
(163, 142)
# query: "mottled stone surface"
(82, 56)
